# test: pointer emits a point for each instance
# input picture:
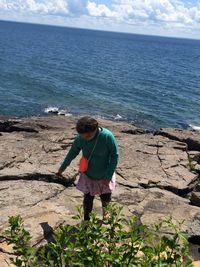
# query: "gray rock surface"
(154, 175)
(190, 137)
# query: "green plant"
(115, 242)
(19, 238)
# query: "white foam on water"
(55, 110)
(62, 112)
(118, 117)
(194, 127)
(51, 110)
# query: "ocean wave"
(118, 117)
(51, 110)
(56, 110)
(194, 127)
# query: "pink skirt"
(94, 187)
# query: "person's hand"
(59, 173)
(106, 182)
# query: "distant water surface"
(150, 81)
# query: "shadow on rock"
(51, 178)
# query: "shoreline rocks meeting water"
(157, 176)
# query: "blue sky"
(178, 18)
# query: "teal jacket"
(104, 159)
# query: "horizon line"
(100, 30)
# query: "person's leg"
(105, 200)
(87, 205)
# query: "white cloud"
(5, 5)
(115, 15)
(33, 6)
(55, 7)
(100, 10)
(77, 7)
(165, 11)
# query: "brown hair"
(86, 124)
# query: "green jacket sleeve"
(73, 152)
(114, 156)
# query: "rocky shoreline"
(157, 176)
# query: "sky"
(175, 18)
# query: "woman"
(100, 148)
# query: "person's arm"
(114, 156)
(73, 152)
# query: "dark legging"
(88, 203)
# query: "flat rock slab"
(153, 176)
(190, 137)
(152, 161)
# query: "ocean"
(150, 81)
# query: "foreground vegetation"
(117, 242)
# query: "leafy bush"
(116, 242)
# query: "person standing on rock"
(97, 165)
